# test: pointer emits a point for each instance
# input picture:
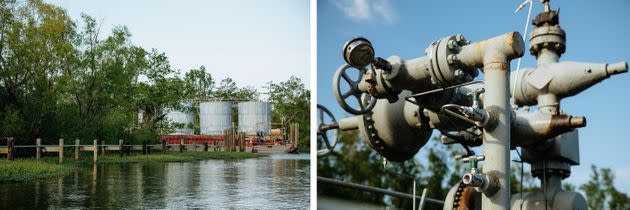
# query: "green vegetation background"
(354, 161)
(65, 79)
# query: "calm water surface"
(273, 182)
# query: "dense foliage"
(65, 79)
(436, 170)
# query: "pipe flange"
(464, 197)
(444, 67)
(550, 37)
(376, 143)
(564, 173)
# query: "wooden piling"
(205, 146)
(296, 138)
(120, 147)
(95, 151)
(181, 145)
(60, 151)
(10, 148)
(102, 147)
(144, 147)
(38, 149)
(194, 145)
(163, 143)
(77, 144)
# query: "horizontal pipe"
(375, 190)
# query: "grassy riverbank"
(29, 168)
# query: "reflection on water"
(274, 182)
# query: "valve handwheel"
(366, 101)
(322, 131)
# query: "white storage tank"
(215, 117)
(185, 119)
(253, 117)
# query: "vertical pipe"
(60, 151)
(424, 195)
(77, 147)
(414, 195)
(496, 142)
(38, 149)
(95, 151)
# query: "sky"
(252, 42)
(597, 31)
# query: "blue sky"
(597, 31)
(253, 42)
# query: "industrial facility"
(247, 123)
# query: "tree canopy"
(65, 79)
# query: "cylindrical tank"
(215, 117)
(183, 118)
(253, 117)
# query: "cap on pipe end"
(577, 122)
(617, 68)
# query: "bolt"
(460, 39)
(459, 73)
(452, 45)
(451, 58)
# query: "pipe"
(350, 123)
(547, 85)
(533, 127)
(375, 190)
(495, 54)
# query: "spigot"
(475, 97)
(473, 178)
(483, 183)
(473, 160)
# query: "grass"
(28, 168)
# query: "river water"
(273, 182)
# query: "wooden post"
(10, 148)
(102, 147)
(194, 145)
(205, 145)
(296, 138)
(120, 147)
(95, 151)
(60, 151)
(77, 144)
(181, 145)
(144, 147)
(163, 143)
(38, 149)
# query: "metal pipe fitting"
(350, 123)
(475, 180)
(483, 183)
(533, 127)
(559, 80)
(494, 51)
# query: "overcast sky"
(252, 42)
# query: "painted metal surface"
(215, 117)
(253, 117)
(182, 118)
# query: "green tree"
(601, 192)
(291, 103)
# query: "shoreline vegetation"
(27, 168)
